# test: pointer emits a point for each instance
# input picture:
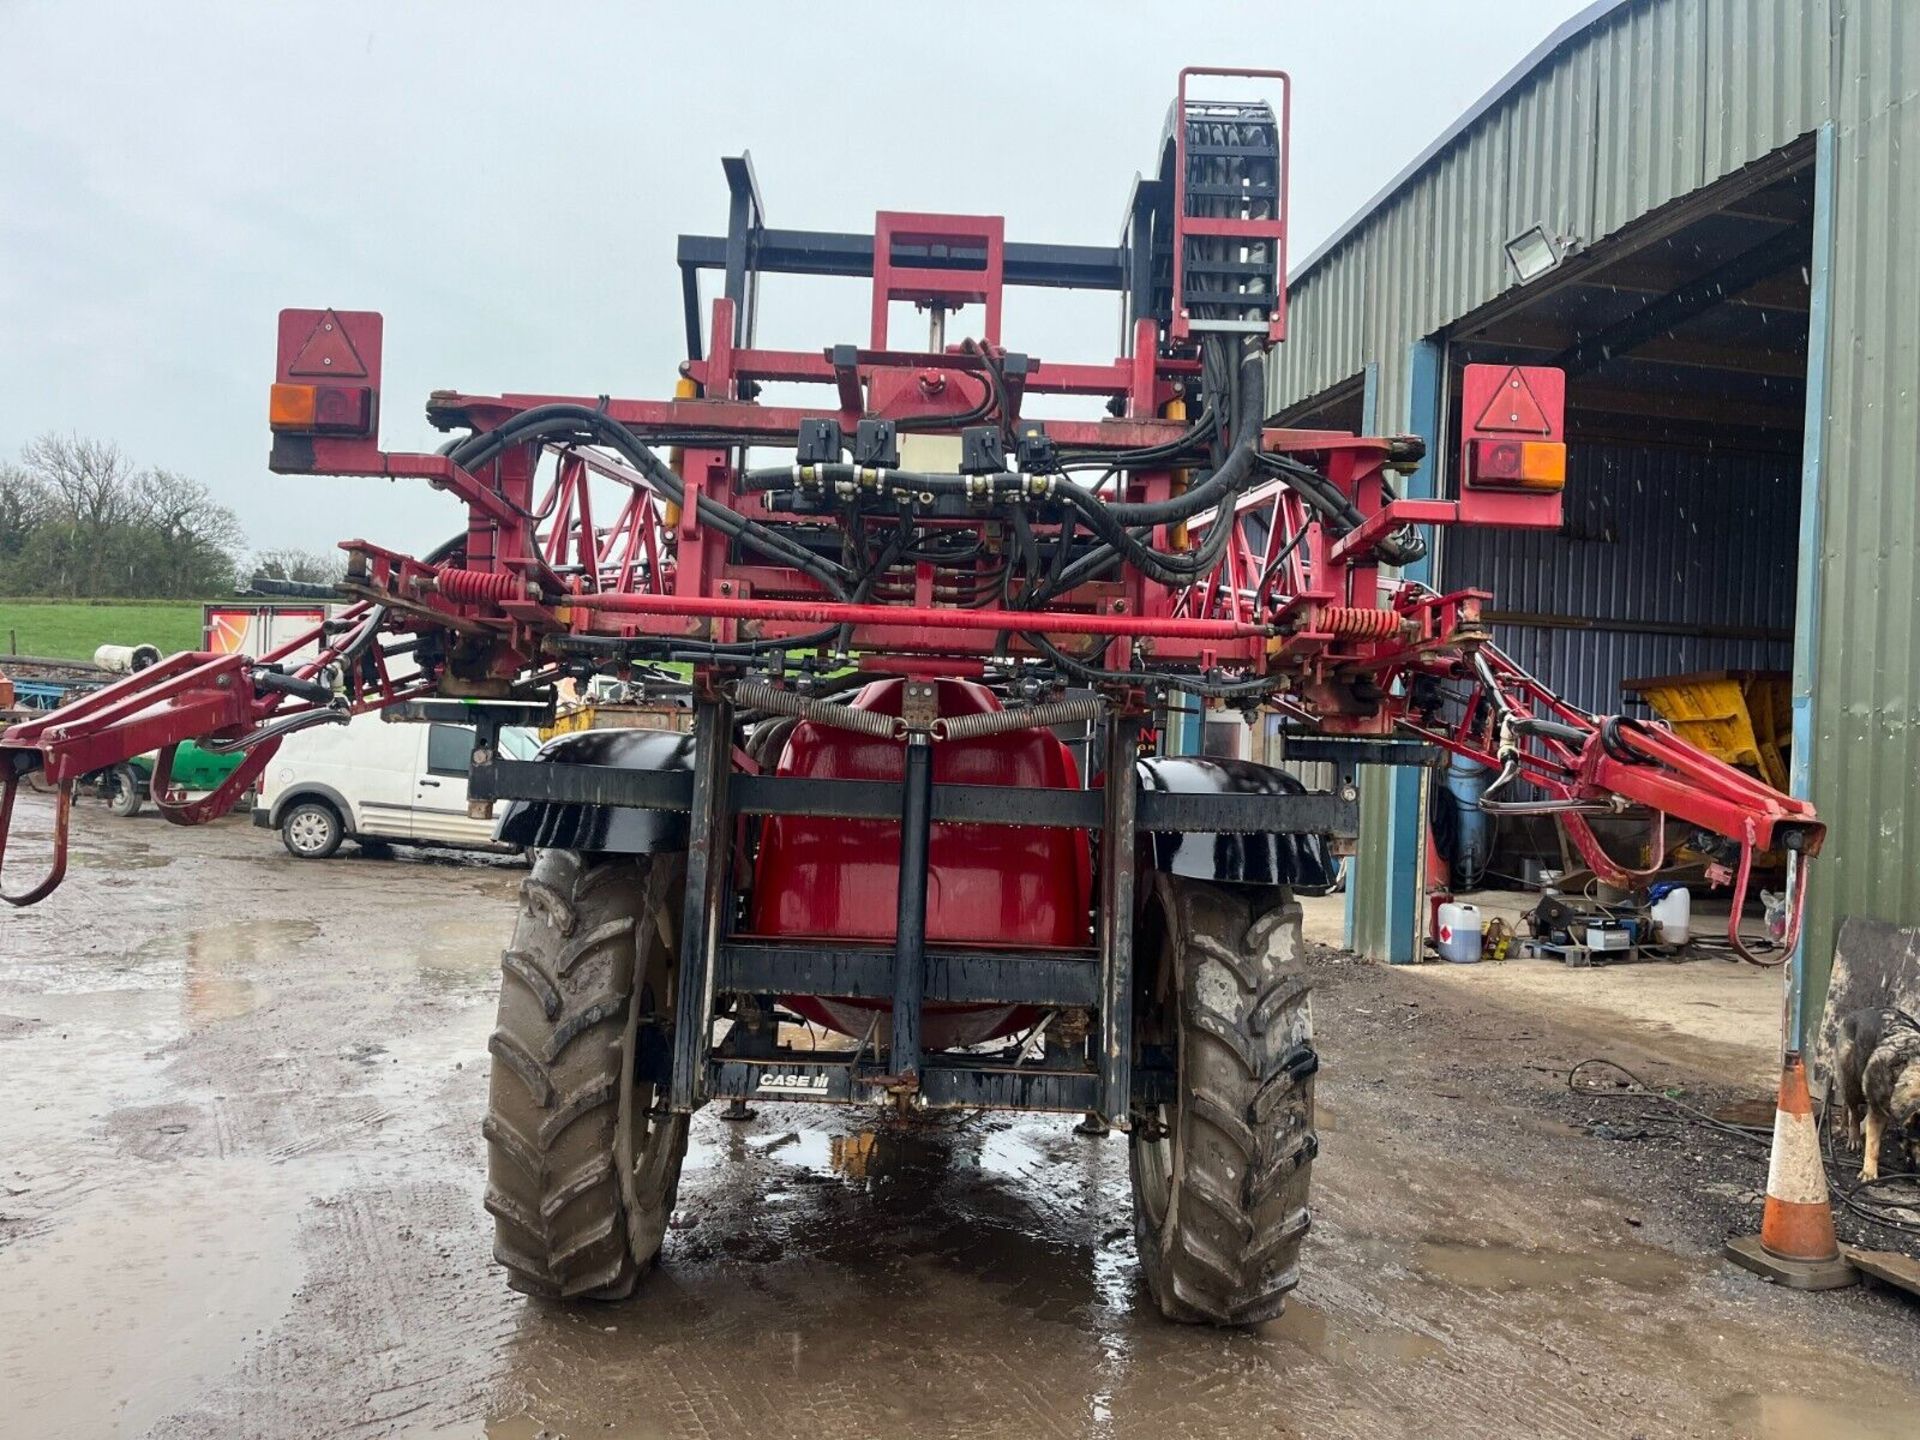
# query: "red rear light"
(321, 409)
(1518, 464)
(344, 410)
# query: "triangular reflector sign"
(328, 353)
(1513, 410)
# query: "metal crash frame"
(726, 974)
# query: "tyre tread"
(554, 1188)
(1229, 1250)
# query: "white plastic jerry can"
(1459, 935)
(1673, 915)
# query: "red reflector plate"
(343, 410)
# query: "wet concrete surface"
(240, 1177)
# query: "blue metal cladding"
(1658, 545)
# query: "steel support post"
(910, 930)
(1349, 923)
(1807, 598)
(709, 853)
(1402, 911)
(1116, 919)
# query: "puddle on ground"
(216, 964)
(859, 1155)
(230, 943)
(209, 999)
(1509, 1267)
(808, 1149)
(139, 1298)
(1797, 1417)
(939, 1141)
(1012, 1153)
(134, 856)
(460, 954)
(1345, 1343)
(206, 976)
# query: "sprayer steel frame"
(715, 963)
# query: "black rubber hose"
(836, 635)
(1179, 567)
(1226, 482)
(994, 484)
(1232, 474)
(729, 522)
(1403, 547)
(1190, 684)
(1096, 513)
(972, 416)
(1103, 457)
(633, 647)
(543, 421)
(1006, 484)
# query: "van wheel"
(124, 791)
(583, 1155)
(311, 830)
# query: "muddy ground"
(240, 1178)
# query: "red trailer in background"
(883, 603)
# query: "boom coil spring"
(471, 586)
(1033, 717)
(1351, 622)
(753, 695)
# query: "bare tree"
(24, 506)
(93, 478)
(191, 537)
(181, 508)
(77, 518)
(308, 567)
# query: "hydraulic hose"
(1231, 475)
(544, 421)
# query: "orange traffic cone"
(1796, 1245)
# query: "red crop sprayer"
(922, 626)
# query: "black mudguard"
(1302, 861)
(610, 829)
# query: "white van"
(375, 780)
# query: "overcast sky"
(505, 182)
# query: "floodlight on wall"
(1532, 253)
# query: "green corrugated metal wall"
(1650, 102)
(1866, 755)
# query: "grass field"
(69, 630)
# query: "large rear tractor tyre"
(583, 1160)
(1220, 1174)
